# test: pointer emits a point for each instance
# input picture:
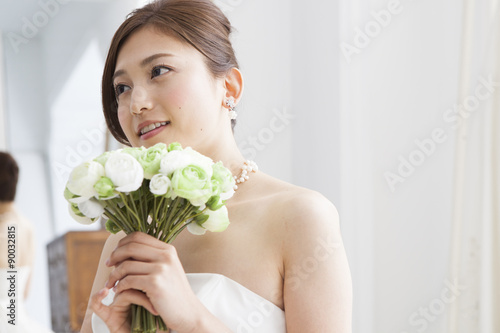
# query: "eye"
(120, 89)
(159, 70)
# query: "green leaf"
(200, 219)
(214, 203)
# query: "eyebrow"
(144, 63)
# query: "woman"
(171, 75)
(17, 253)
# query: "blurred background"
(390, 108)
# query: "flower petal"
(195, 229)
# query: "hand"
(150, 274)
(116, 315)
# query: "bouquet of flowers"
(159, 191)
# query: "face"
(165, 93)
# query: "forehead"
(148, 41)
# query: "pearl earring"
(230, 104)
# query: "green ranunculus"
(174, 146)
(192, 183)
(102, 158)
(105, 188)
(135, 152)
(222, 181)
(151, 158)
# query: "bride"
(171, 75)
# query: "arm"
(30, 254)
(101, 277)
(317, 286)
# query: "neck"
(228, 153)
(6, 206)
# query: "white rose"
(179, 159)
(217, 221)
(159, 184)
(124, 171)
(82, 179)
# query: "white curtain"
(475, 252)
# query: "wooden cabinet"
(73, 260)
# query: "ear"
(233, 83)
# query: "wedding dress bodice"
(24, 324)
(239, 308)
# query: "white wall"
(28, 117)
(264, 54)
(315, 97)
(395, 91)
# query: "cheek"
(191, 94)
(177, 96)
(125, 121)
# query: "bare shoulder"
(317, 283)
(298, 207)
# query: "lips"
(147, 127)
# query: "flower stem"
(134, 214)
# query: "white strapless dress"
(239, 308)
(23, 323)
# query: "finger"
(141, 238)
(128, 251)
(96, 304)
(140, 252)
(131, 296)
(129, 267)
(143, 283)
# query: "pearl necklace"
(248, 166)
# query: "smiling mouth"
(153, 126)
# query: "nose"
(140, 101)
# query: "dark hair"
(9, 174)
(200, 23)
